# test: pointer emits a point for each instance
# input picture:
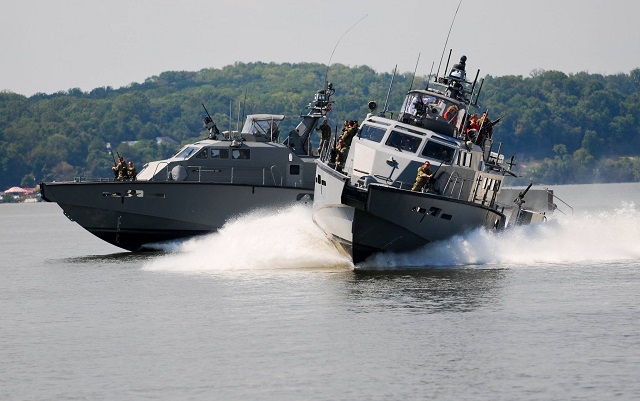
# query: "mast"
(386, 102)
(298, 139)
(447, 40)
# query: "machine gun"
(519, 200)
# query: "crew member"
(423, 177)
(451, 114)
(347, 137)
(131, 172)
(120, 169)
(325, 135)
(341, 155)
(473, 128)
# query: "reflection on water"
(128, 258)
(426, 290)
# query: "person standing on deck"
(131, 172)
(325, 136)
(120, 169)
(423, 177)
(347, 137)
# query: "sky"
(50, 46)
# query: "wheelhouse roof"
(265, 117)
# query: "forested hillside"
(562, 128)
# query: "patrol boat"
(200, 187)
(366, 205)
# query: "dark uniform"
(325, 135)
(422, 179)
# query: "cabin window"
(418, 104)
(203, 154)
(372, 133)
(294, 169)
(402, 141)
(219, 153)
(185, 153)
(243, 154)
(435, 150)
(491, 184)
(464, 159)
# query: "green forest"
(561, 128)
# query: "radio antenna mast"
(447, 41)
(414, 73)
(326, 75)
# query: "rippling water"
(268, 310)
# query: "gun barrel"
(523, 193)
(206, 111)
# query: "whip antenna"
(446, 41)
(326, 75)
(386, 102)
(414, 73)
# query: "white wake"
(584, 237)
(287, 238)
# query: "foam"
(287, 238)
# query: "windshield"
(402, 141)
(431, 106)
(185, 153)
(372, 133)
(417, 104)
(436, 150)
(262, 124)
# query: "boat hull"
(135, 215)
(362, 222)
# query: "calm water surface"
(267, 310)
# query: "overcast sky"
(49, 46)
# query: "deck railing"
(232, 175)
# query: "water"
(268, 310)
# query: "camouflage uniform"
(347, 137)
(131, 172)
(120, 169)
(342, 153)
(424, 174)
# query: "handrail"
(456, 178)
(199, 170)
(558, 198)
(160, 166)
(273, 176)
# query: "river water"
(268, 310)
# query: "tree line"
(574, 128)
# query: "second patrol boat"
(202, 186)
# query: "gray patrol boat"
(366, 204)
(202, 186)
